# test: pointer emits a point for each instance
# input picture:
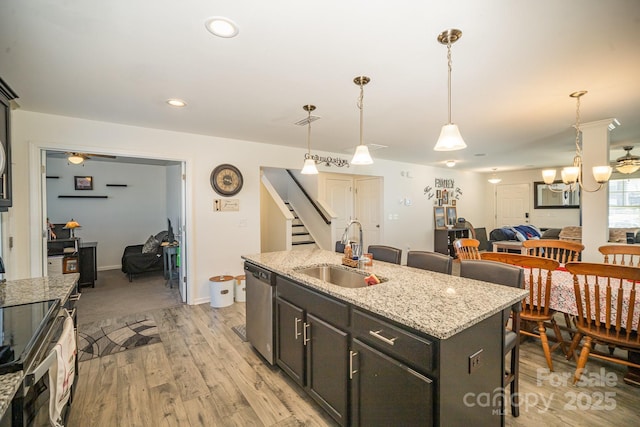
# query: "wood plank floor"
(203, 374)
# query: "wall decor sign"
(83, 182)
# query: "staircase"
(300, 237)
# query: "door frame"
(38, 215)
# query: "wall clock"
(226, 180)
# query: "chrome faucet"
(345, 238)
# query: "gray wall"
(127, 217)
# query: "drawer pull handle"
(377, 334)
(351, 370)
(296, 332)
(307, 335)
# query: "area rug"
(241, 330)
(98, 341)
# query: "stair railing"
(313, 203)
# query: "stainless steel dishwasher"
(259, 309)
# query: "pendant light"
(450, 138)
(361, 156)
(309, 167)
(572, 175)
(628, 163)
(494, 178)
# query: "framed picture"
(445, 198)
(452, 215)
(438, 194)
(69, 265)
(439, 219)
(453, 202)
(83, 182)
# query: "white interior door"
(368, 208)
(339, 195)
(512, 204)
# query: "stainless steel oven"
(29, 332)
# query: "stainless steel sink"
(337, 275)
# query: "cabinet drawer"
(407, 347)
(333, 311)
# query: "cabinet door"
(289, 339)
(385, 392)
(87, 266)
(327, 367)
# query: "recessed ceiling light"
(176, 102)
(450, 163)
(221, 27)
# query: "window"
(624, 203)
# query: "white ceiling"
(513, 70)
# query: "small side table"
(171, 271)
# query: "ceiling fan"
(628, 163)
(78, 158)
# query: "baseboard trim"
(110, 267)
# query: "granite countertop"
(437, 304)
(15, 292)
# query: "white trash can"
(221, 291)
(240, 288)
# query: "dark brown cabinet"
(88, 264)
(385, 392)
(443, 240)
(367, 370)
(310, 349)
(6, 95)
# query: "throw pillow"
(151, 245)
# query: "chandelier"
(572, 175)
(450, 138)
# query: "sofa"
(571, 233)
(145, 258)
(616, 235)
(521, 233)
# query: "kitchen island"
(426, 343)
(24, 291)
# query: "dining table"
(563, 300)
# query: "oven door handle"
(34, 376)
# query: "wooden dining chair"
(385, 253)
(507, 275)
(432, 261)
(559, 250)
(562, 251)
(605, 302)
(621, 254)
(535, 307)
(467, 248)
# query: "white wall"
(174, 197)
(216, 239)
(127, 217)
(547, 218)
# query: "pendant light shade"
(361, 156)
(309, 167)
(450, 138)
(494, 179)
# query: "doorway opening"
(118, 202)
